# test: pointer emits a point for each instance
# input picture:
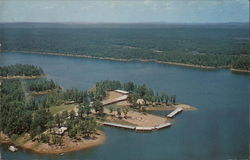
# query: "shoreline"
(122, 60)
(185, 107)
(24, 77)
(240, 70)
(44, 148)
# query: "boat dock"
(13, 148)
(174, 113)
(163, 126)
(144, 128)
(119, 125)
(137, 128)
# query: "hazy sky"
(181, 11)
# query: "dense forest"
(34, 116)
(12, 106)
(20, 70)
(42, 85)
(242, 63)
(190, 44)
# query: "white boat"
(13, 149)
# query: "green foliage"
(72, 132)
(40, 121)
(64, 114)
(13, 137)
(45, 138)
(80, 126)
(20, 70)
(42, 85)
(57, 140)
(58, 119)
(97, 105)
(191, 44)
(75, 95)
(20, 115)
(242, 63)
(72, 114)
(15, 118)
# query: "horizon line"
(229, 22)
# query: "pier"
(163, 126)
(138, 128)
(119, 125)
(174, 113)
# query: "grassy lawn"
(62, 107)
(22, 139)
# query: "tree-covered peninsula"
(20, 71)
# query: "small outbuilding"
(140, 101)
(61, 130)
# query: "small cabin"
(61, 130)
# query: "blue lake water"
(217, 130)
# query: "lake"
(219, 129)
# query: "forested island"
(69, 120)
(24, 71)
(204, 46)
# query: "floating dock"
(144, 128)
(163, 126)
(137, 128)
(119, 125)
(174, 113)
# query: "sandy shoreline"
(137, 119)
(185, 107)
(23, 77)
(68, 145)
(240, 70)
(123, 60)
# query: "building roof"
(118, 125)
(121, 91)
(61, 130)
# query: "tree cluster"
(20, 70)
(242, 63)
(20, 114)
(42, 85)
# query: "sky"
(125, 11)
